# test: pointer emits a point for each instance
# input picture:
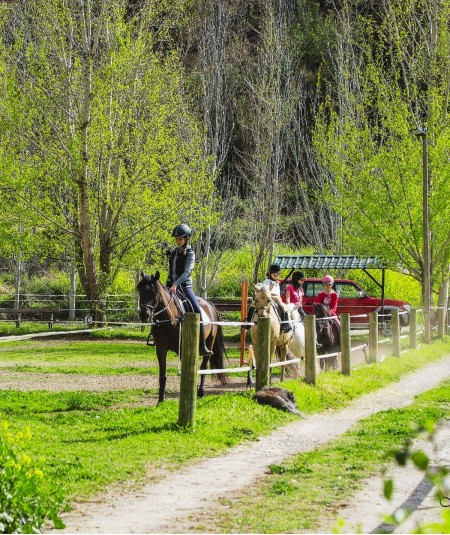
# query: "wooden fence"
(189, 353)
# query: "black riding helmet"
(181, 231)
(274, 268)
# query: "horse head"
(321, 310)
(148, 295)
(262, 298)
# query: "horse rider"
(294, 292)
(330, 298)
(181, 264)
(271, 281)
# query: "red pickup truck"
(355, 301)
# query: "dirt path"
(164, 507)
(366, 511)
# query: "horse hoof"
(200, 393)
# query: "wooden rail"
(16, 313)
(226, 304)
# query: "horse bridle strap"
(266, 310)
(152, 308)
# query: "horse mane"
(260, 287)
(168, 303)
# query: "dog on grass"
(277, 397)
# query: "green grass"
(304, 494)
(94, 441)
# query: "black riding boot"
(286, 325)
(204, 350)
(249, 319)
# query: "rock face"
(277, 397)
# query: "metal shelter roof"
(328, 262)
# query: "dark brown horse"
(162, 309)
(328, 336)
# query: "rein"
(153, 312)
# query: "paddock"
(358, 348)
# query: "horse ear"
(142, 274)
(157, 276)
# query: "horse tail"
(217, 359)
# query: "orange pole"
(244, 306)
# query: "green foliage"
(364, 132)
(397, 285)
(237, 266)
(25, 498)
(54, 283)
(437, 475)
(145, 166)
(124, 282)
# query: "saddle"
(184, 305)
(283, 317)
(182, 302)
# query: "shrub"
(49, 290)
(25, 502)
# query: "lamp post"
(426, 267)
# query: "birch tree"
(269, 80)
(391, 78)
(111, 157)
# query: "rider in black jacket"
(181, 264)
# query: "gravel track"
(173, 504)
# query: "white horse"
(296, 347)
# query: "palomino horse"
(265, 307)
(328, 337)
(163, 310)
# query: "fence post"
(395, 318)
(413, 328)
(373, 337)
(73, 292)
(345, 344)
(310, 350)
(262, 353)
(244, 313)
(190, 333)
(441, 317)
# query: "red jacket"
(330, 299)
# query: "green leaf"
(420, 459)
(388, 488)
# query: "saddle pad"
(204, 317)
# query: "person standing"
(181, 264)
(294, 292)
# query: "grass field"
(93, 441)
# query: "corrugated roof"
(328, 262)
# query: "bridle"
(152, 309)
(265, 309)
(323, 322)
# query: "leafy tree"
(390, 76)
(105, 151)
